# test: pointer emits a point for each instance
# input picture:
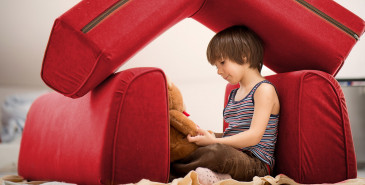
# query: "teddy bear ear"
(168, 81)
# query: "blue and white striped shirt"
(238, 114)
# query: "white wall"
(354, 66)
(180, 52)
(25, 28)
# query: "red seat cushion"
(115, 134)
(314, 141)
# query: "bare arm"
(218, 135)
(265, 99)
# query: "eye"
(219, 63)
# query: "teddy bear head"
(175, 97)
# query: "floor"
(9, 158)
(361, 173)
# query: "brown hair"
(236, 43)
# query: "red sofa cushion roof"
(76, 61)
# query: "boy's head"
(239, 44)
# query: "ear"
(175, 98)
(244, 59)
(168, 81)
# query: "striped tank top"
(238, 114)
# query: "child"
(247, 146)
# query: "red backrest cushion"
(314, 141)
(295, 38)
(76, 62)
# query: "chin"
(232, 83)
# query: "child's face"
(230, 70)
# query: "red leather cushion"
(76, 61)
(115, 134)
(314, 141)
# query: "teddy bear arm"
(182, 123)
(180, 147)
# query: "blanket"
(191, 179)
(14, 111)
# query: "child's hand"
(204, 138)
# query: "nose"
(219, 71)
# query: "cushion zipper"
(117, 5)
(329, 19)
(102, 16)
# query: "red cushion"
(115, 134)
(295, 37)
(75, 62)
(314, 141)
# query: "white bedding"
(192, 179)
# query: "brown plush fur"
(180, 126)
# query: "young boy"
(252, 112)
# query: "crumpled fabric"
(192, 179)
(13, 114)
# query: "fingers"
(202, 131)
(202, 139)
(191, 139)
(194, 139)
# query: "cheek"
(232, 70)
(227, 69)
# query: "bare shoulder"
(266, 95)
(266, 89)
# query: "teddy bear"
(180, 125)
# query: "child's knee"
(218, 151)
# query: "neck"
(251, 78)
